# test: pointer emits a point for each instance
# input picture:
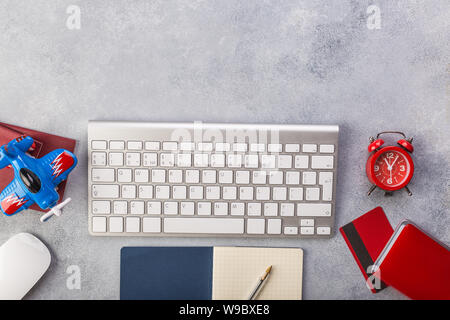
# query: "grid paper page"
(237, 270)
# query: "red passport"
(415, 264)
(44, 144)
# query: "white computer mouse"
(23, 261)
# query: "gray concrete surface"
(234, 61)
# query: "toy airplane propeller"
(35, 180)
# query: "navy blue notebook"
(166, 273)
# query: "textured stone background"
(234, 61)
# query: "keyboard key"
(307, 230)
(276, 177)
(98, 159)
(259, 177)
(222, 147)
(137, 207)
(218, 160)
(116, 159)
(326, 148)
(184, 160)
(187, 146)
(150, 159)
(292, 147)
(103, 175)
(170, 207)
(251, 161)
(237, 209)
(204, 208)
(323, 230)
(124, 175)
(204, 146)
(209, 176)
(166, 159)
(212, 193)
(255, 226)
(314, 209)
(309, 148)
(204, 225)
(175, 176)
(101, 207)
(274, 147)
(192, 176)
(292, 177)
(162, 192)
(195, 192)
(133, 159)
(240, 147)
(263, 193)
(170, 146)
(234, 160)
(187, 208)
(246, 193)
(99, 224)
(284, 162)
(153, 207)
(290, 230)
(296, 194)
(145, 192)
(225, 176)
(307, 222)
(201, 160)
(141, 175)
(326, 180)
(105, 191)
(220, 208)
(134, 145)
(257, 147)
(98, 145)
(128, 191)
(268, 161)
(132, 224)
(117, 145)
(229, 193)
(287, 209)
(152, 145)
(322, 162)
(312, 194)
(270, 209)
(254, 209)
(309, 178)
(242, 177)
(301, 162)
(120, 207)
(179, 192)
(116, 224)
(279, 193)
(274, 226)
(152, 225)
(158, 175)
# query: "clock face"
(392, 168)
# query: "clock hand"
(385, 160)
(394, 162)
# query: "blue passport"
(166, 273)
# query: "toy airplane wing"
(14, 199)
(58, 164)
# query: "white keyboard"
(196, 179)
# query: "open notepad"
(236, 271)
(204, 273)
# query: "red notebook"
(415, 264)
(44, 144)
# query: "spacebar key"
(203, 225)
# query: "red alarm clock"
(390, 168)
